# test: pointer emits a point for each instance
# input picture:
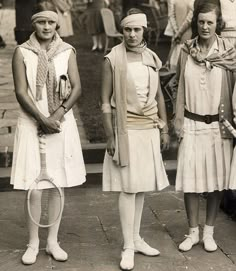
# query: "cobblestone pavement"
(91, 234)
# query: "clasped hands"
(49, 125)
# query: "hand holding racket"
(42, 188)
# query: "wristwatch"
(64, 107)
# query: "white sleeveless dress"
(146, 171)
(64, 158)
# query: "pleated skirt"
(204, 160)
(145, 172)
(65, 164)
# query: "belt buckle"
(208, 119)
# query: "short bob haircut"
(206, 7)
(44, 5)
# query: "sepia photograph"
(117, 135)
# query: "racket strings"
(45, 206)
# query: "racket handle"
(42, 144)
(229, 127)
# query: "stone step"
(7, 123)
(94, 174)
(92, 153)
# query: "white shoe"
(209, 243)
(30, 255)
(57, 253)
(127, 259)
(141, 246)
(189, 242)
(94, 48)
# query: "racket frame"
(43, 177)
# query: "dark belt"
(203, 118)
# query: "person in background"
(135, 122)
(180, 14)
(93, 22)
(2, 42)
(204, 96)
(228, 9)
(37, 66)
(64, 16)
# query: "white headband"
(139, 19)
(45, 14)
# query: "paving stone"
(9, 99)
(11, 114)
(8, 106)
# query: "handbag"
(64, 87)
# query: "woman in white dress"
(63, 8)
(204, 98)
(228, 9)
(180, 13)
(133, 114)
(37, 67)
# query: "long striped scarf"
(46, 73)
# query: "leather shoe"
(189, 242)
(209, 243)
(141, 246)
(30, 255)
(127, 259)
(57, 253)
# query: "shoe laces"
(208, 236)
(32, 247)
(191, 236)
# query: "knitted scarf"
(46, 73)
(224, 60)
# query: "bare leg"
(53, 247)
(95, 42)
(99, 39)
(191, 201)
(213, 203)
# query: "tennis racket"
(44, 189)
(229, 127)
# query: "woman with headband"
(46, 109)
(135, 122)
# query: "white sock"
(208, 230)
(194, 230)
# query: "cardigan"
(125, 100)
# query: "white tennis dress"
(204, 157)
(146, 171)
(64, 158)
